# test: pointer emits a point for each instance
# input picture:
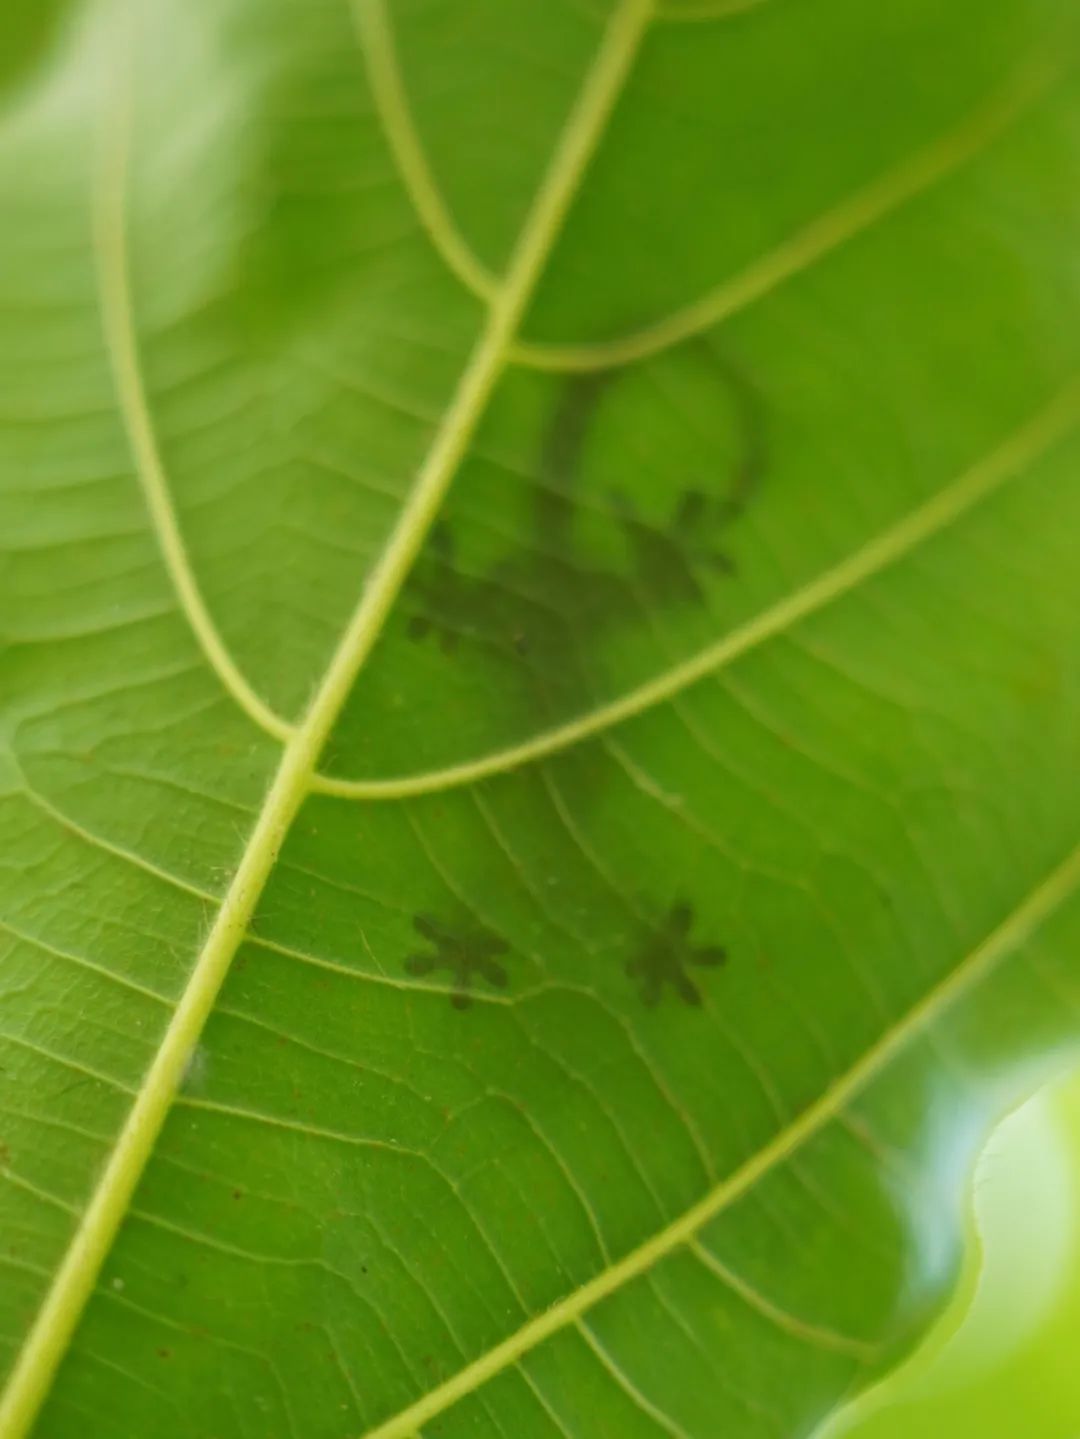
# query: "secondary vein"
(392, 106)
(816, 239)
(118, 325)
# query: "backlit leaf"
(539, 699)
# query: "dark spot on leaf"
(591, 562)
(669, 562)
(665, 955)
(465, 953)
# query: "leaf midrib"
(55, 1323)
(121, 344)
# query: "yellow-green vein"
(392, 105)
(816, 1335)
(118, 324)
(806, 246)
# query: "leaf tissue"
(539, 699)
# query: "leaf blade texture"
(540, 700)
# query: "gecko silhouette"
(543, 602)
(666, 953)
(466, 953)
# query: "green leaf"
(999, 1359)
(540, 699)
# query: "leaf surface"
(540, 700)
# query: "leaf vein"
(626, 1384)
(119, 328)
(392, 107)
(818, 1335)
(822, 235)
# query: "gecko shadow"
(666, 953)
(542, 611)
(465, 952)
(469, 952)
(540, 614)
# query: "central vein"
(75, 1279)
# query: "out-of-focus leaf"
(30, 28)
(1002, 1359)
